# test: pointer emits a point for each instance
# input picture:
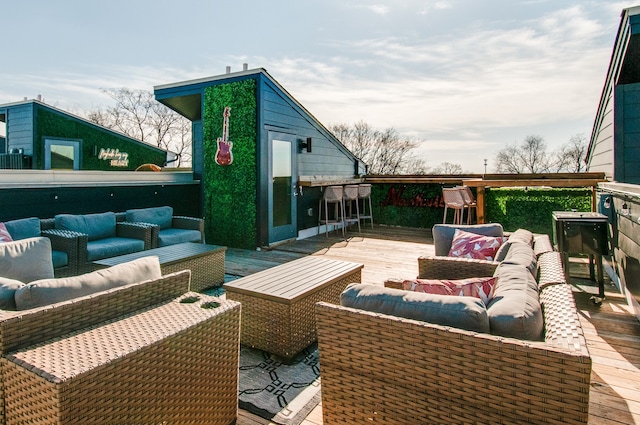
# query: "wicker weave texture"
(437, 267)
(21, 329)
(206, 270)
(173, 363)
(285, 329)
(390, 370)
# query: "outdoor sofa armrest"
(68, 242)
(142, 231)
(436, 267)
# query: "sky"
(461, 78)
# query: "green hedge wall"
(230, 191)
(532, 208)
(420, 205)
(55, 125)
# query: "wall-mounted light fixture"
(304, 145)
(625, 209)
(607, 202)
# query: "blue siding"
(328, 157)
(20, 128)
(630, 132)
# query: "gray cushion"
(23, 228)
(443, 234)
(502, 251)
(515, 310)
(161, 216)
(26, 260)
(460, 312)
(522, 254)
(8, 289)
(112, 247)
(50, 291)
(174, 236)
(95, 226)
(522, 235)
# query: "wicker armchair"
(186, 372)
(381, 368)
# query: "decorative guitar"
(224, 156)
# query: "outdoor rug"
(282, 393)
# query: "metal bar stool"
(364, 194)
(350, 197)
(331, 195)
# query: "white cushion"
(26, 260)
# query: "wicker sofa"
(383, 368)
(140, 352)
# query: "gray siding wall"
(628, 131)
(20, 128)
(326, 158)
(602, 151)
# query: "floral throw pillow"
(4, 234)
(472, 245)
(478, 287)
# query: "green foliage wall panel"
(532, 208)
(417, 205)
(420, 205)
(230, 191)
(55, 125)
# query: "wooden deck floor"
(613, 333)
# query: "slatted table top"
(166, 254)
(290, 281)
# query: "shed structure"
(42, 137)
(614, 147)
(253, 144)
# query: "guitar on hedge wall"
(224, 155)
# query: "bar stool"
(453, 199)
(364, 194)
(469, 201)
(350, 197)
(332, 195)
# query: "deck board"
(612, 332)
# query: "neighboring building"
(41, 137)
(253, 146)
(614, 147)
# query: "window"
(61, 154)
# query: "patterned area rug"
(282, 393)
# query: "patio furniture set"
(342, 199)
(388, 353)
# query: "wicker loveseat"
(141, 352)
(387, 369)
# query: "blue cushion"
(112, 247)
(96, 226)
(60, 259)
(174, 236)
(443, 234)
(23, 228)
(161, 216)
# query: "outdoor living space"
(611, 330)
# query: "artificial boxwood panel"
(230, 191)
(532, 208)
(50, 124)
(407, 205)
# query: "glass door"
(282, 188)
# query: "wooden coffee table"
(278, 304)
(206, 262)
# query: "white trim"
(59, 178)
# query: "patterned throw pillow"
(478, 287)
(472, 245)
(4, 234)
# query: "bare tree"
(384, 151)
(528, 157)
(571, 156)
(137, 114)
(447, 168)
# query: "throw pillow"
(4, 234)
(477, 287)
(472, 245)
